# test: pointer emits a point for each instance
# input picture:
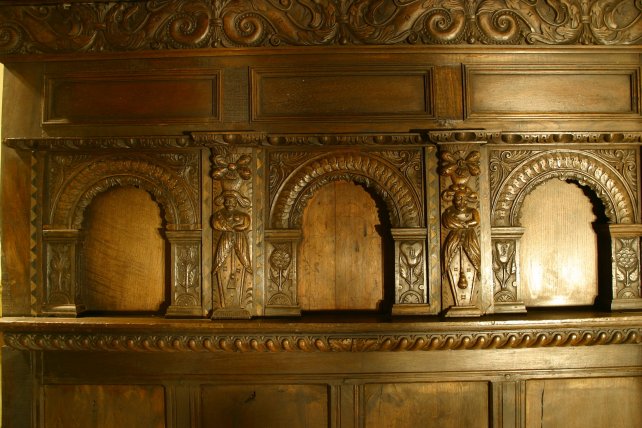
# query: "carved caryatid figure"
(461, 251)
(232, 258)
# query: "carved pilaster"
(281, 275)
(507, 291)
(186, 289)
(232, 223)
(463, 264)
(62, 292)
(625, 266)
(411, 287)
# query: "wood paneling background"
(577, 366)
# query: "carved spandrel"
(232, 223)
(201, 24)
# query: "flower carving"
(458, 167)
(227, 169)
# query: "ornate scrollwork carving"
(514, 174)
(195, 24)
(75, 143)
(172, 181)
(274, 343)
(402, 198)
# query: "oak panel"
(494, 92)
(585, 403)
(188, 96)
(262, 406)
(559, 247)
(336, 94)
(341, 260)
(107, 406)
(124, 253)
(442, 404)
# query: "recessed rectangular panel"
(104, 406)
(133, 98)
(580, 403)
(500, 92)
(341, 94)
(262, 406)
(442, 404)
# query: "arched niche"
(71, 191)
(401, 195)
(515, 174)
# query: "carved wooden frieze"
(544, 336)
(201, 24)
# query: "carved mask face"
(230, 202)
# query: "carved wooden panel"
(512, 92)
(201, 24)
(108, 98)
(335, 94)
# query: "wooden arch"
(402, 200)
(584, 167)
(168, 188)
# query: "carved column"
(411, 287)
(186, 289)
(280, 281)
(62, 292)
(507, 292)
(465, 230)
(625, 266)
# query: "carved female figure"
(461, 250)
(232, 255)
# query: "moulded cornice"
(69, 27)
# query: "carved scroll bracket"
(507, 291)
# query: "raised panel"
(335, 94)
(247, 406)
(114, 98)
(438, 404)
(556, 92)
(584, 403)
(107, 406)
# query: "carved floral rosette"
(201, 24)
(625, 255)
(281, 275)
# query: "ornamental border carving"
(168, 188)
(584, 166)
(402, 200)
(213, 24)
(274, 343)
